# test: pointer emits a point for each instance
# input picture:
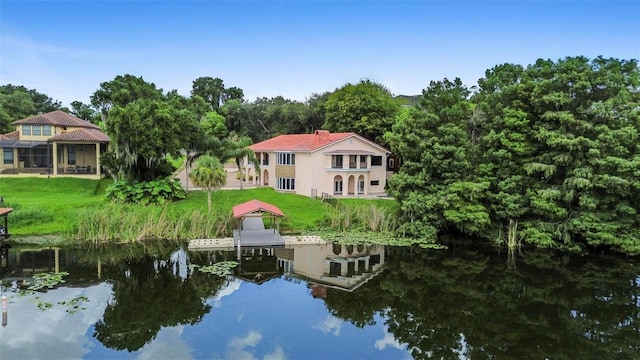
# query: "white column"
(55, 158)
(98, 159)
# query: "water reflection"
(461, 303)
(322, 266)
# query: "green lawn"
(52, 206)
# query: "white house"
(337, 164)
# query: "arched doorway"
(337, 185)
(351, 185)
(248, 173)
(265, 178)
(361, 185)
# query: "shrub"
(145, 193)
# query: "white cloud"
(252, 339)
(167, 345)
(277, 354)
(231, 287)
(243, 348)
(330, 325)
(389, 340)
(53, 333)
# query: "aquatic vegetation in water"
(47, 280)
(222, 268)
(73, 306)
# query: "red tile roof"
(306, 142)
(252, 206)
(82, 135)
(58, 118)
(300, 142)
(14, 135)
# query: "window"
(36, 130)
(375, 182)
(8, 155)
(363, 161)
(336, 161)
(337, 186)
(265, 159)
(286, 183)
(60, 155)
(376, 160)
(286, 159)
(72, 155)
(352, 161)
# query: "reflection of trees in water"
(148, 294)
(550, 306)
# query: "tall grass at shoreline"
(361, 215)
(123, 223)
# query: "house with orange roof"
(320, 164)
(55, 143)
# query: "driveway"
(232, 182)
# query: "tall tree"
(233, 93)
(210, 89)
(17, 102)
(366, 108)
(237, 116)
(84, 111)
(142, 133)
(315, 115)
(436, 185)
(504, 136)
(121, 91)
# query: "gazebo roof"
(253, 206)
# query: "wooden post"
(4, 311)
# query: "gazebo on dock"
(250, 229)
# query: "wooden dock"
(229, 243)
(4, 229)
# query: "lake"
(161, 301)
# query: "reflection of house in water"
(21, 264)
(344, 267)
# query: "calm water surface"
(321, 302)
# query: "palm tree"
(208, 174)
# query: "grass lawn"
(51, 206)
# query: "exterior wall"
(314, 174)
(85, 155)
(4, 166)
(306, 172)
(324, 176)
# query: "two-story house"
(338, 164)
(54, 143)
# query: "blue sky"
(65, 49)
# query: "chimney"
(322, 136)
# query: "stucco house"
(54, 143)
(322, 163)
